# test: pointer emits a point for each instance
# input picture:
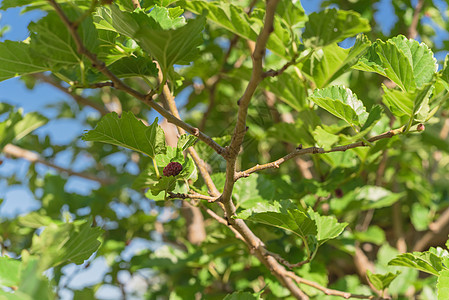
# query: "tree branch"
(33, 157)
(328, 291)
(192, 195)
(412, 32)
(80, 99)
(314, 150)
(119, 84)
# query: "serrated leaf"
(53, 43)
(126, 131)
(66, 243)
(333, 26)
(396, 65)
(16, 59)
(443, 285)
(169, 40)
(407, 62)
(293, 220)
(327, 227)
(342, 103)
(424, 261)
(381, 281)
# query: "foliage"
(304, 162)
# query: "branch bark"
(33, 157)
(314, 150)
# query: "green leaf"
(185, 141)
(9, 271)
(169, 40)
(424, 261)
(326, 65)
(396, 65)
(373, 197)
(324, 139)
(327, 227)
(374, 115)
(16, 127)
(381, 281)
(16, 59)
(374, 234)
(36, 220)
(293, 220)
(287, 88)
(443, 285)
(407, 103)
(235, 20)
(342, 103)
(406, 62)
(53, 43)
(333, 26)
(66, 243)
(133, 66)
(126, 131)
(253, 190)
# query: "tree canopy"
(256, 150)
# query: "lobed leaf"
(126, 131)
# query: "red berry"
(338, 193)
(172, 169)
(420, 127)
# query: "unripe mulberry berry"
(172, 169)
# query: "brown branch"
(136, 3)
(412, 31)
(81, 100)
(192, 195)
(119, 84)
(314, 150)
(328, 291)
(286, 262)
(33, 157)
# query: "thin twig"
(119, 84)
(412, 31)
(80, 99)
(136, 3)
(328, 291)
(192, 195)
(313, 150)
(286, 262)
(35, 158)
